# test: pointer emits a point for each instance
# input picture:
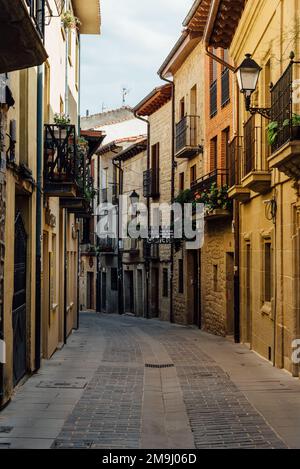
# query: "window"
(77, 64)
(214, 153)
(47, 93)
(225, 149)
(61, 105)
(213, 86)
(114, 278)
(193, 174)
(181, 181)
(215, 277)
(165, 283)
(70, 38)
(182, 108)
(180, 276)
(155, 169)
(268, 272)
(225, 80)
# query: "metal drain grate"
(62, 384)
(6, 429)
(65, 444)
(166, 365)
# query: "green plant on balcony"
(70, 21)
(274, 128)
(90, 193)
(214, 198)
(185, 197)
(61, 119)
(272, 132)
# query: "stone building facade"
(267, 175)
(41, 245)
(157, 108)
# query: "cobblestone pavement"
(125, 382)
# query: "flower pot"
(296, 132)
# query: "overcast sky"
(137, 35)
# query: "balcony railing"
(213, 98)
(151, 183)
(107, 245)
(218, 177)
(235, 158)
(60, 153)
(130, 246)
(285, 106)
(187, 144)
(37, 13)
(225, 87)
(255, 148)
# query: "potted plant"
(69, 21)
(62, 119)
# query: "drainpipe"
(40, 138)
(147, 260)
(172, 193)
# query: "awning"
(20, 43)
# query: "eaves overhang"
(180, 52)
(154, 100)
(89, 14)
(225, 16)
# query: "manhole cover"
(62, 384)
(166, 365)
(64, 444)
(6, 429)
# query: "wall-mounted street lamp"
(247, 75)
(134, 198)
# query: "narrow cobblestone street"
(124, 382)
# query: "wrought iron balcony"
(219, 177)
(130, 246)
(187, 145)
(60, 168)
(236, 190)
(37, 13)
(284, 132)
(107, 246)
(21, 34)
(256, 174)
(151, 183)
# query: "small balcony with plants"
(284, 128)
(256, 175)
(236, 190)
(187, 144)
(107, 246)
(212, 191)
(82, 204)
(60, 158)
